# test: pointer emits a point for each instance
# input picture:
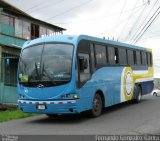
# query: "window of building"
(42, 31)
(7, 20)
(100, 53)
(122, 56)
(10, 65)
(18, 28)
(26, 30)
(130, 57)
(22, 29)
(34, 31)
(50, 32)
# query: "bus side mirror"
(83, 63)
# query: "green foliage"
(13, 114)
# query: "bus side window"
(138, 58)
(92, 58)
(135, 57)
(144, 58)
(111, 55)
(100, 54)
(130, 56)
(84, 67)
(116, 57)
(149, 58)
(122, 56)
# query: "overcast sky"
(118, 19)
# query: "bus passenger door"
(84, 76)
(84, 67)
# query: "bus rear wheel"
(97, 106)
(139, 95)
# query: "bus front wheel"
(97, 106)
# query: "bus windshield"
(46, 63)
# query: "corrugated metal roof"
(9, 7)
(10, 46)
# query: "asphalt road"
(128, 119)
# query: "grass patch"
(13, 114)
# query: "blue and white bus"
(71, 74)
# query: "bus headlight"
(75, 96)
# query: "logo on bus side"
(127, 84)
(40, 86)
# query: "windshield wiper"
(36, 68)
(45, 73)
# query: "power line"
(35, 9)
(37, 5)
(96, 18)
(121, 21)
(131, 14)
(145, 28)
(136, 22)
(69, 10)
(115, 26)
(134, 36)
(153, 36)
(119, 16)
(111, 7)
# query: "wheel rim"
(97, 105)
(139, 96)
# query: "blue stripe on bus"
(139, 67)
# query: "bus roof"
(74, 39)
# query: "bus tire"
(97, 106)
(138, 95)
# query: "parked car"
(156, 92)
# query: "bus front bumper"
(49, 107)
